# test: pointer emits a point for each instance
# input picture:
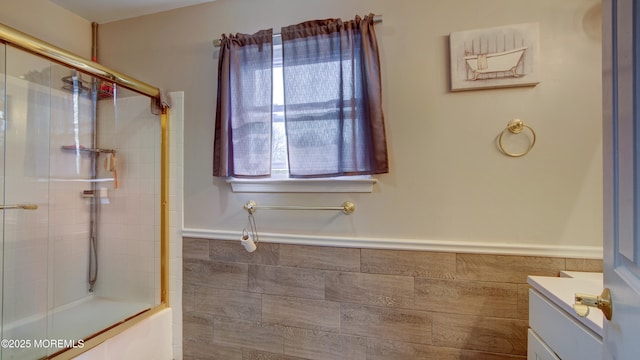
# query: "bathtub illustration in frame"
(502, 56)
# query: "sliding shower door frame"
(35, 46)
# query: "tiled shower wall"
(46, 251)
(306, 302)
(129, 224)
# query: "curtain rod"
(376, 19)
(36, 46)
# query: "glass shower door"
(80, 187)
(25, 186)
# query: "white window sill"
(342, 185)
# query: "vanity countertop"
(561, 291)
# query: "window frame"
(282, 184)
(346, 184)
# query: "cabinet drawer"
(537, 349)
(568, 338)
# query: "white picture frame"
(495, 57)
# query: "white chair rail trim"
(581, 252)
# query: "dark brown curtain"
(333, 98)
(242, 142)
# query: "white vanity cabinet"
(555, 330)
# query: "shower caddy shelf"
(88, 150)
(75, 84)
(93, 152)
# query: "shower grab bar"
(347, 207)
(19, 206)
(87, 150)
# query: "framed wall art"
(495, 57)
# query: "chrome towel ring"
(516, 126)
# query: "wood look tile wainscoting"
(286, 302)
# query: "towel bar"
(516, 126)
(347, 207)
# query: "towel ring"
(516, 126)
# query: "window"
(279, 180)
(323, 106)
(279, 159)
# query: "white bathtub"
(149, 339)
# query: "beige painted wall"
(448, 182)
(49, 22)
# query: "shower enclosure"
(82, 184)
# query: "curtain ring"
(516, 126)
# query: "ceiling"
(104, 11)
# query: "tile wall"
(129, 223)
(46, 251)
(48, 245)
(306, 302)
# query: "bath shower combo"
(65, 195)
